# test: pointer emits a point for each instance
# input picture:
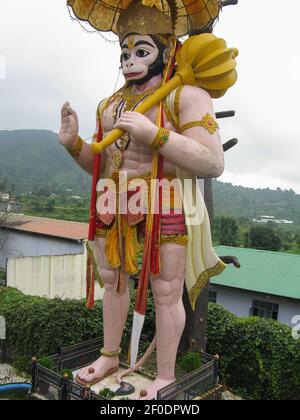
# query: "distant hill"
(252, 203)
(34, 158)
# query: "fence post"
(87, 393)
(2, 339)
(3, 357)
(60, 364)
(34, 375)
(65, 388)
(217, 369)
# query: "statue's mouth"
(130, 75)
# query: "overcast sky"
(45, 59)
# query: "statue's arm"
(68, 137)
(197, 149)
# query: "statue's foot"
(151, 392)
(100, 369)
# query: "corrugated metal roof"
(267, 272)
(49, 227)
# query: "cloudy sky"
(45, 59)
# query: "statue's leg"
(115, 311)
(170, 314)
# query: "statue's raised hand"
(69, 127)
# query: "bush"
(107, 393)
(47, 362)
(67, 372)
(40, 327)
(258, 357)
(190, 362)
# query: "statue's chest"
(116, 110)
(126, 150)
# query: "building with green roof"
(266, 285)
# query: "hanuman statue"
(177, 139)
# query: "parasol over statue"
(188, 16)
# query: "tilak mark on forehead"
(132, 45)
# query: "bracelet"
(161, 138)
(111, 353)
(75, 152)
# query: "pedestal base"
(137, 380)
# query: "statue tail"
(140, 363)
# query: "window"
(265, 310)
(212, 297)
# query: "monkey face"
(141, 58)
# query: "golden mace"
(204, 61)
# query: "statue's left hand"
(138, 126)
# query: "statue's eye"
(125, 56)
(142, 53)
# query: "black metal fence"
(195, 383)
(79, 355)
(53, 386)
(46, 383)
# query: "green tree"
(264, 238)
(228, 231)
(50, 206)
(297, 238)
(37, 204)
(247, 239)
(43, 192)
(3, 184)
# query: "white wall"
(239, 303)
(50, 276)
(287, 311)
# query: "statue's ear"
(166, 54)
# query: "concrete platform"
(136, 379)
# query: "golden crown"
(143, 20)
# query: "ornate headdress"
(144, 20)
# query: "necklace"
(129, 102)
(132, 99)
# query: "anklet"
(111, 353)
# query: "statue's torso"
(137, 159)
